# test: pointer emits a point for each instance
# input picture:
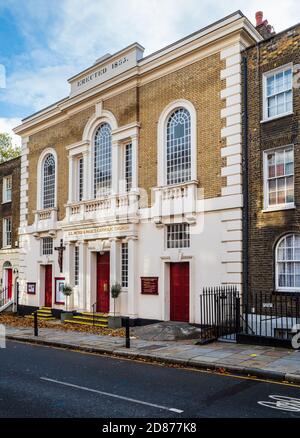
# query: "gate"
(220, 313)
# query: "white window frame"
(266, 75)
(280, 288)
(162, 143)
(109, 189)
(285, 206)
(188, 240)
(5, 242)
(5, 198)
(122, 265)
(79, 164)
(76, 265)
(40, 178)
(123, 171)
(43, 239)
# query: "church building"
(136, 178)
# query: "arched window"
(288, 262)
(48, 184)
(178, 153)
(102, 161)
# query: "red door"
(48, 285)
(103, 282)
(9, 283)
(179, 292)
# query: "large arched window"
(102, 161)
(288, 263)
(48, 182)
(178, 150)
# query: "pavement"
(44, 382)
(259, 361)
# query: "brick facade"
(58, 137)
(11, 209)
(198, 83)
(266, 228)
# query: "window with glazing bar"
(279, 177)
(178, 236)
(128, 166)
(76, 265)
(102, 161)
(7, 226)
(178, 148)
(124, 264)
(47, 246)
(48, 182)
(7, 187)
(80, 179)
(278, 93)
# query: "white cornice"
(209, 40)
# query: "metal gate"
(220, 313)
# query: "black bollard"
(127, 329)
(36, 329)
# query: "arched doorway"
(7, 280)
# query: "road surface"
(43, 382)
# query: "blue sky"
(43, 43)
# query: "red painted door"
(9, 283)
(103, 282)
(179, 292)
(48, 285)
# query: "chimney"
(259, 18)
(263, 27)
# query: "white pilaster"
(72, 187)
(68, 271)
(232, 151)
(115, 256)
(87, 179)
(133, 284)
(134, 143)
(83, 256)
(115, 167)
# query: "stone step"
(75, 321)
(89, 318)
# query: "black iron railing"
(272, 315)
(220, 312)
(94, 309)
(272, 318)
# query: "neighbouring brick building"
(273, 88)
(136, 177)
(10, 219)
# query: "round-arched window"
(102, 161)
(48, 184)
(178, 148)
(288, 262)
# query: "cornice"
(210, 40)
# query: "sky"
(43, 43)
